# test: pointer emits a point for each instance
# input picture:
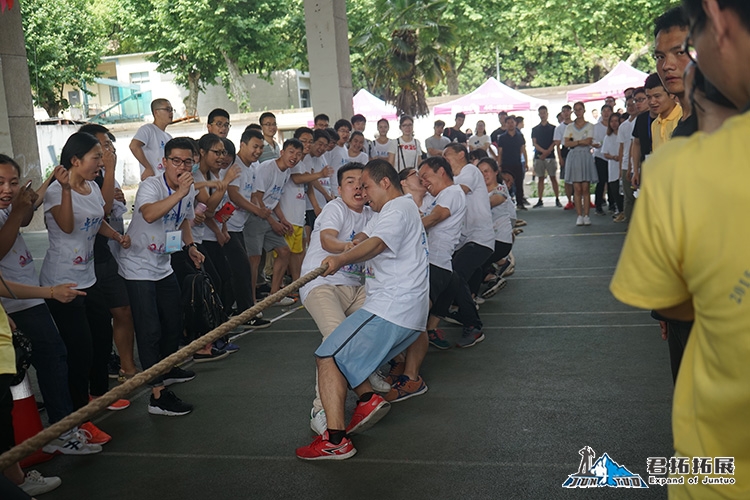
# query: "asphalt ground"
(563, 366)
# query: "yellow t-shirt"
(7, 353)
(690, 239)
(662, 128)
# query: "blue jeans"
(157, 317)
(49, 357)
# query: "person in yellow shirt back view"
(686, 255)
(668, 112)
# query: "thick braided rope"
(85, 413)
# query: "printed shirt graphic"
(293, 199)
(70, 257)
(245, 183)
(663, 264)
(337, 216)
(18, 266)
(407, 154)
(316, 164)
(478, 217)
(397, 284)
(442, 238)
(270, 180)
(145, 259)
(154, 139)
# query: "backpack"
(201, 305)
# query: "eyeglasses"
(168, 110)
(688, 46)
(178, 162)
(267, 124)
(225, 125)
(220, 152)
(640, 99)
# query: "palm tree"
(404, 51)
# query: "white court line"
(571, 235)
(274, 320)
(549, 327)
(379, 461)
(513, 278)
(535, 269)
(556, 313)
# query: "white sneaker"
(478, 301)
(74, 443)
(579, 221)
(586, 220)
(35, 484)
(318, 422)
(378, 383)
(286, 301)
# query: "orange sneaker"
(98, 436)
(118, 405)
(397, 369)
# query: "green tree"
(64, 46)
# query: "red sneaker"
(322, 449)
(368, 414)
(569, 206)
(98, 436)
(592, 204)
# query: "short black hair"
(478, 154)
(332, 134)
(439, 123)
(653, 81)
(460, 115)
(250, 133)
(7, 160)
(265, 115)
(293, 143)
(321, 116)
(302, 130)
(639, 90)
(458, 148)
(230, 148)
(95, 128)
(358, 118)
(342, 123)
(542, 107)
(179, 143)
(207, 141)
(356, 133)
(567, 106)
(435, 163)
(352, 165)
(217, 112)
(695, 12)
(607, 106)
(317, 134)
(383, 120)
(379, 169)
(254, 126)
(673, 18)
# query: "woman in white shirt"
(579, 165)
(382, 144)
(480, 139)
(405, 151)
(611, 152)
(356, 148)
(74, 214)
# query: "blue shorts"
(363, 342)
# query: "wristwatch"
(187, 247)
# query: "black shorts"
(110, 284)
(439, 280)
(310, 218)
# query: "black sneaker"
(113, 365)
(453, 317)
(258, 323)
(470, 336)
(215, 355)
(168, 404)
(177, 376)
(521, 206)
(557, 203)
(539, 203)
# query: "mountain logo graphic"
(602, 472)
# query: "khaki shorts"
(295, 240)
(547, 166)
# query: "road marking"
(570, 235)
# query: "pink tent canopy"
(613, 84)
(490, 97)
(364, 103)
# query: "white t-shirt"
(293, 199)
(316, 164)
(208, 234)
(600, 132)
(70, 257)
(244, 182)
(625, 137)
(270, 180)
(478, 141)
(381, 150)
(145, 259)
(198, 230)
(337, 216)
(116, 221)
(443, 237)
(478, 220)
(407, 154)
(576, 134)
(153, 139)
(18, 266)
(501, 216)
(612, 147)
(559, 134)
(397, 280)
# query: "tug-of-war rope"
(94, 407)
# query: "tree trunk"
(191, 100)
(237, 88)
(633, 57)
(451, 79)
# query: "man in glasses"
(686, 214)
(218, 123)
(268, 127)
(148, 142)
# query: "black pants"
(466, 261)
(615, 198)
(218, 259)
(8, 490)
(100, 323)
(677, 338)
(602, 171)
(501, 251)
(518, 174)
(241, 274)
(72, 322)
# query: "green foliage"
(63, 45)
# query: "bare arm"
(366, 250)
(136, 147)
(63, 213)
(311, 196)
(329, 241)
(242, 202)
(62, 293)
(327, 171)
(438, 215)
(108, 186)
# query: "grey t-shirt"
(433, 142)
